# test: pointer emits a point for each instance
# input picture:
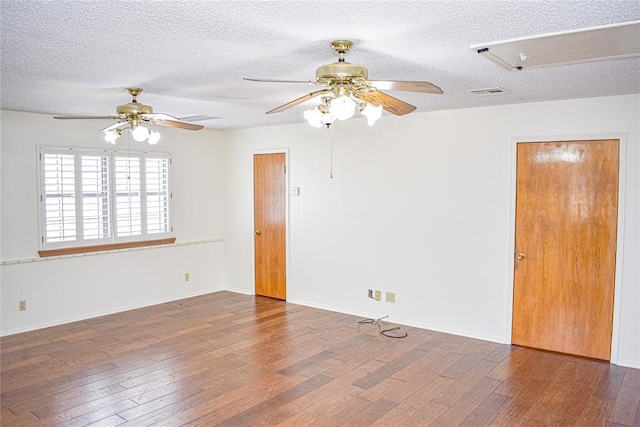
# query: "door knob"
(256, 233)
(520, 255)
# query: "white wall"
(422, 205)
(71, 288)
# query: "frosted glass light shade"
(317, 118)
(140, 133)
(327, 118)
(111, 135)
(313, 116)
(372, 113)
(342, 108)
(154, 137)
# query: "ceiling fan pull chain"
(330, 153)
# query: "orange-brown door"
(565, 242)
(269, 202)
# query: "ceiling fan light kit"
(131, 115)
(347, 86)
(341, 108)
(139, 133)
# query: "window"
(90, 197)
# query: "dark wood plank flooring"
(234, 360)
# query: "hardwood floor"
(234, 360)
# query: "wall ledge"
(111, 251)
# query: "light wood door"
(269, 201)
(566, 216)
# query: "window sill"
(109, 247)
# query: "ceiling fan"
(344, 81)
(131, 115)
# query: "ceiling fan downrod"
(134, 92)
(341, 47)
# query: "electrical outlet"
(22, 305)
(391, 297)
(378, 296)
(186, 277)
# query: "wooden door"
(269, 202)
(566, 220)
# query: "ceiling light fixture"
(341, 107)
(138, 132)
(347, 85)
(131, 115)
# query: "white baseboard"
(431, 327)
(106, 312)
(627, 363)
(239, 291)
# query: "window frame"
(80, 244)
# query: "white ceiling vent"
(488, 91)
(612, 41)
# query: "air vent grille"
(488, 91)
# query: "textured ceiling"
(76, 57)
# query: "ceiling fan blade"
(388, 102)
(167, 120)
(407, 86)
(159, 116)
(176, 124)
(114, 126)
(280, 81)
(299, 100)
(85, 117)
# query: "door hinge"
(285, 169)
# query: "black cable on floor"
(384, 332)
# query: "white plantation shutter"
(157, 194)
(95, 197)
(58, 196)
(91, 197)
(128, 195)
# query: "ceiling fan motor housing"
(134, 108)
(341, 71)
